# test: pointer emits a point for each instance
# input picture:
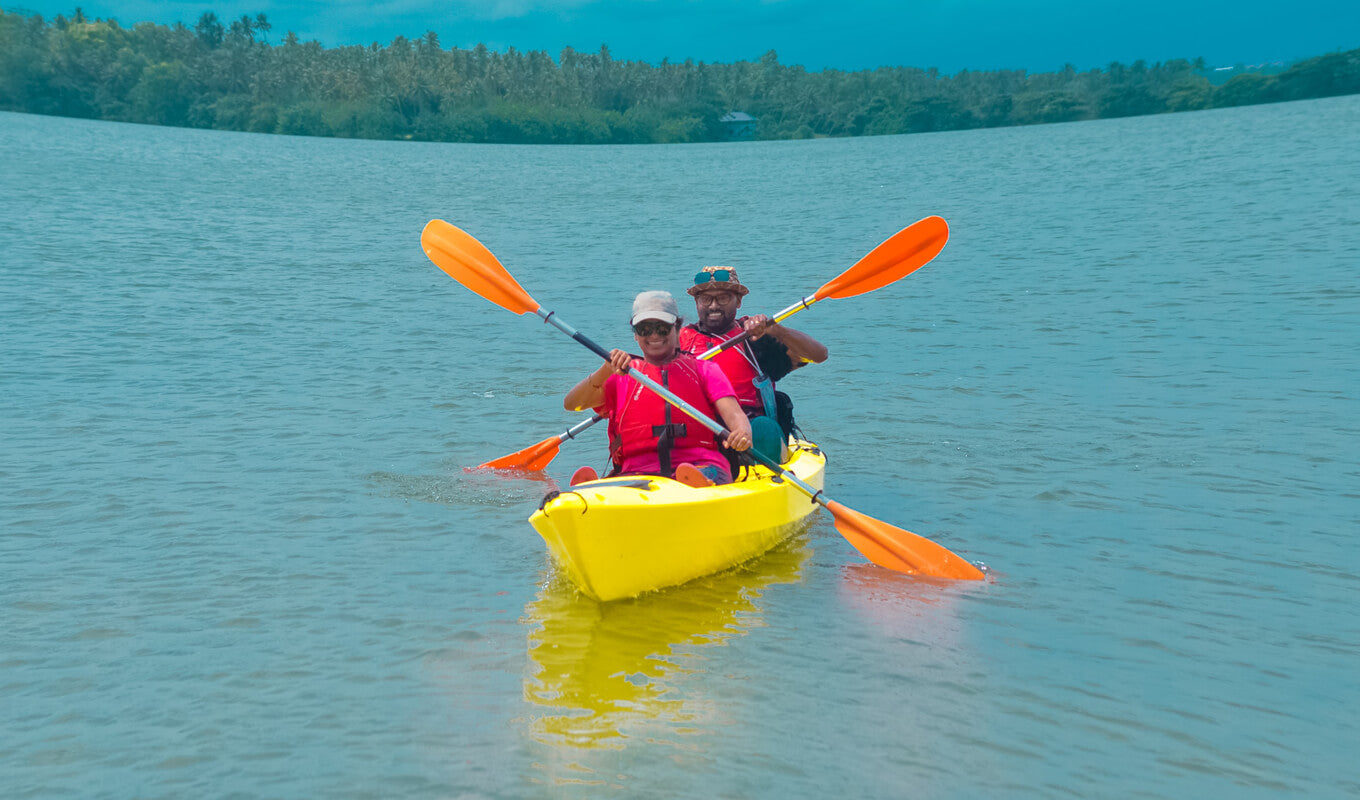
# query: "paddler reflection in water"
(647, 435)
(772, 351)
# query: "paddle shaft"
(551, 318)
(571, 432)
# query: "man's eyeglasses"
(720, 298)
(652, 327)
(723, 275)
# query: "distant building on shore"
(738, 125)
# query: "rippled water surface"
(239, 553)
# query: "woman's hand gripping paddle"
(897, 257)
(467, 261)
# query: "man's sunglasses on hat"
(717, 275)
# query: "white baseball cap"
(655, 305)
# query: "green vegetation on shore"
(229, 77)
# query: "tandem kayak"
(623, 536)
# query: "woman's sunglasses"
(716, 275)
(652, 327)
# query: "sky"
(950, 35)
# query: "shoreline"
(211, 76)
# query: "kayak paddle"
(469, 262)
(897, 257)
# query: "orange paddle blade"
(533, 458)
(896, 549)
(902, 254)
(467, 261)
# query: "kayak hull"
(624, 536)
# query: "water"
(239, 554)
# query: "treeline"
(227, 75)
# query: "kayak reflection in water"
(772, 351)
(647, 435)
(607, 675)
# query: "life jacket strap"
(666, 433)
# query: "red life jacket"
(638, 409)
(738, 363)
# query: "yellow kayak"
(623, 536)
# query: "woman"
(648, 436)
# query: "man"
(773, 351)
